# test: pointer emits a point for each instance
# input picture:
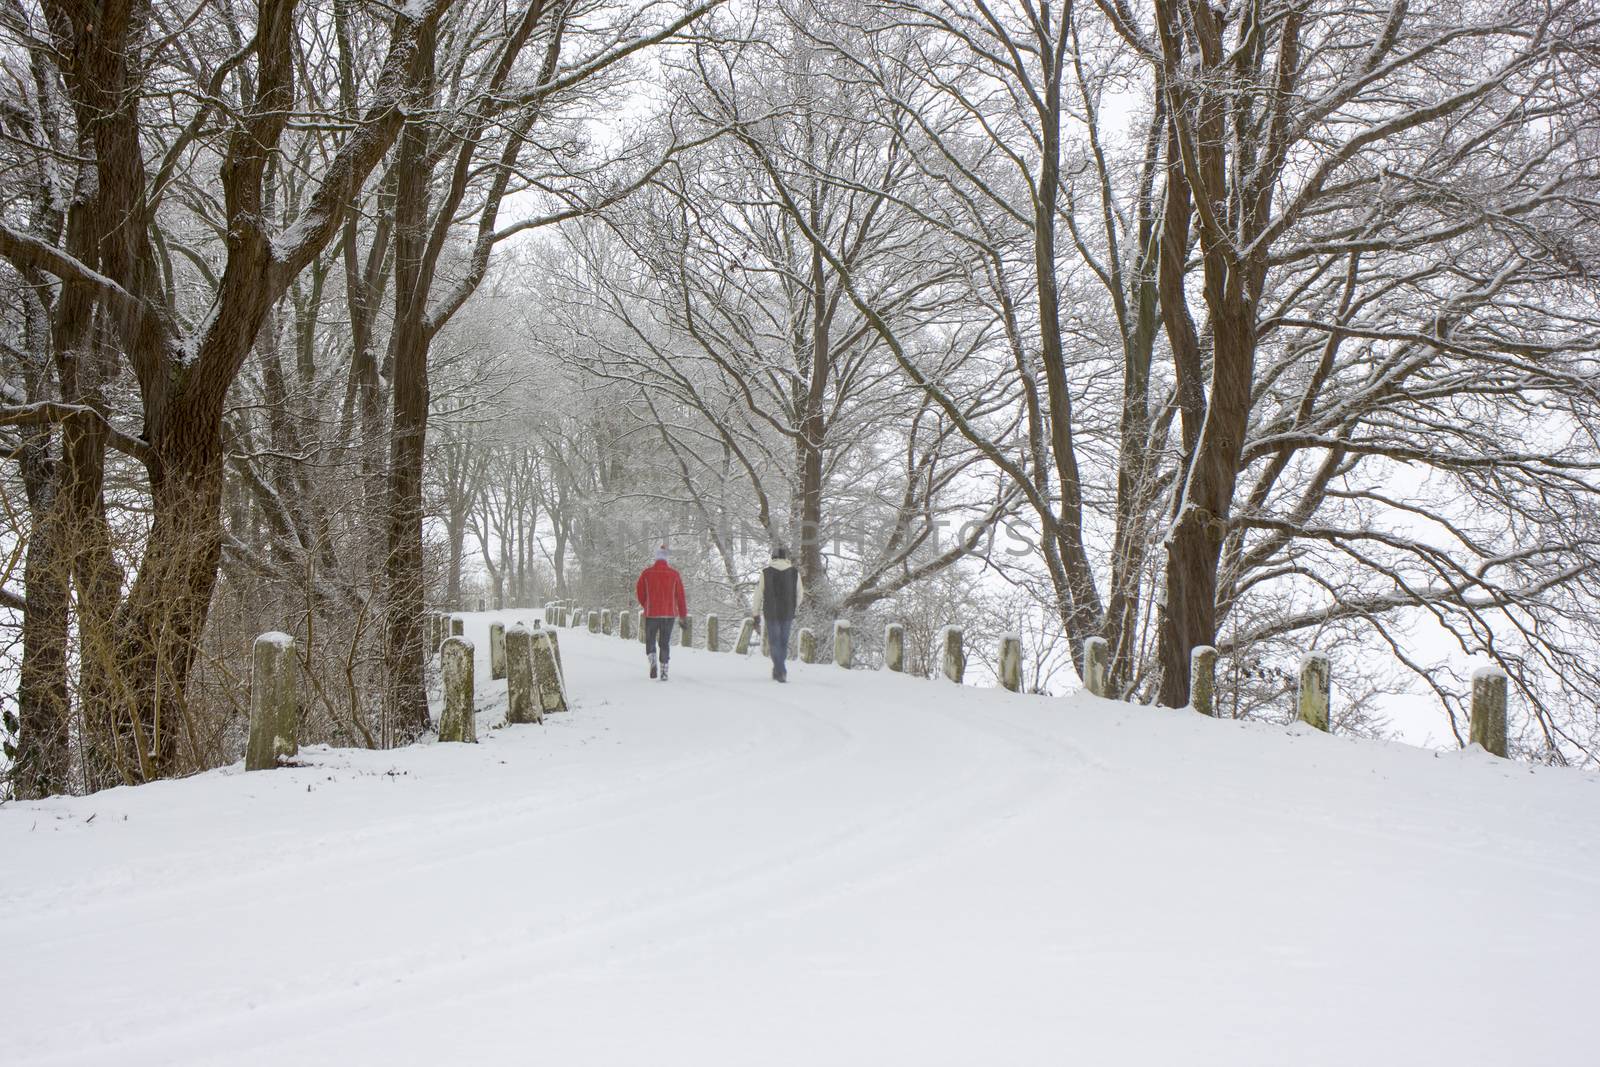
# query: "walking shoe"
(652, 665)
(663, 672)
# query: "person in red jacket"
(660, 593)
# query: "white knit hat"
(661, 553)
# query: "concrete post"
(436, 632)
(594, 621)
(1094, 666)
(457, 626)
(1011, 662)
(741, 647)
(711, 634)
(955, 657)
(497, 650)
(686, 624)
(894, 647)
(625, 625)
(482, 605)
(1203, 679)
(1488, 727)
(605, 621)
(274, 702)
(549, 682)
(808, 646)
(1315, 684)
(456, 722)
(520, 703)
(843, 644)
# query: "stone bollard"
(1094, 666)
(1011, 662)
(274, 702)
(548, 682)
(577, 618)
(594, 621)
(625, 625)
(894, 647)
(1203, 679)
(808, 646)
(482, 605)
(605, 621)
(686, 624)
(497, 650)
(456, 722)
(458, 626)
(747, 629)
(520, 703)
(843, 643)
(954, 658)
(436, 634)
(1315, 684)
(711, 634)
(1488, 726)
(555, 647)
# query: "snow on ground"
(852, 869)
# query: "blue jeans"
(778, 643)
(658, 634)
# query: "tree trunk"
(1195, 547)
(157, 631)
(456, 530)
(813, 428)
(42, 764)
(405, 698)
(1082, 614)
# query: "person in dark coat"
(661, 596)
(778, 595)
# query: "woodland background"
(1264, 325)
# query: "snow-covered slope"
(851, 869)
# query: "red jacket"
(660, 592)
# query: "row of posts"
(530, 661)
(1487, 723)
(1488, 709)
(629, 624)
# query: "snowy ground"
(852, 869)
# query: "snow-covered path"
(852, 869)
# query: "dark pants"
(658, 637)
(778, 642)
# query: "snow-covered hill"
(852, 869)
